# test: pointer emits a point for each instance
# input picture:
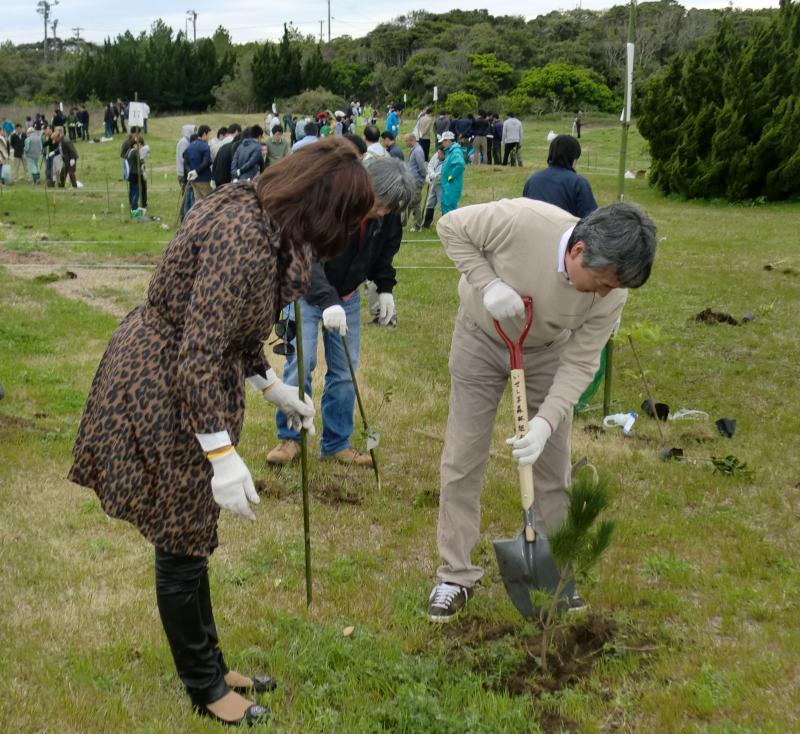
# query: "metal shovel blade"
(526, 566)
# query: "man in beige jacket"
(577, 273)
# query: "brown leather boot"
(284, 453)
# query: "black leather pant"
(184, 603)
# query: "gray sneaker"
(577, 604)
(447, 600)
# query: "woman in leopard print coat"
(166, 406)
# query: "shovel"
(525, 562)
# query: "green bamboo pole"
(623, 154)
(303, 449)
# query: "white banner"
(136, 114)
(436, 94)
(629, 83)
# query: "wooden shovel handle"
(521, 426)
(521, 408)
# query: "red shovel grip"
(515, 347)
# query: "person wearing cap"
(576, 272)
(392, 122)
(452, 171)
(559, 184)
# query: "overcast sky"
(257, 20)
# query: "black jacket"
(480, 126)
(367, 260)
(222, 163)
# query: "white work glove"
(502, 301)
(71, 162)
(528, 448)
(299, 413)
(191, 176)
(385, 308)
(335, 319)
(232, 484)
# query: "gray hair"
(391, 182)
(621, 236)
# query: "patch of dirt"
(507, 655)
(593, 430)
(708, 316)
(333, 494)
(82, 283)
(11, 426)
(269, 488)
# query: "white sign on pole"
(136, 114)
(274, 109)
(405, 97)
(629, 83)
(436, 94)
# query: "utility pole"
(329, 21)
(54, 25)
(320, 30)
(44, 7)
(193, 15)
(77, 30)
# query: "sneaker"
(416, 228)
(577, 604)
(447, 600)
(351, 456)
(284, 453)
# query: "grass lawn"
(694, 623)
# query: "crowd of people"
(40, 146)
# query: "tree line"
(555, 61)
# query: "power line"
(77, 30)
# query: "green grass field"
(695, 605)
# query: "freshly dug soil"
(508, 654)
(333, 494)
(707, 316)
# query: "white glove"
(335, 319)
(232, 484)
(71, 162)
(299, 414)
(528, 448)
(385, 308)
(502, 301)
(191, 176)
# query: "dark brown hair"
(318, 195)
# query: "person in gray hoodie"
(183, 144)
(248, 160)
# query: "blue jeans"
(338, 393)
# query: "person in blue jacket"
(197, 163)
(558, 184)
(248, 160)
(392, 123)
(452, 171)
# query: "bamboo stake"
(303, 450)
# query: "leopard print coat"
(177, 365)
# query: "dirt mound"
(508, 655)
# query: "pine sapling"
(578, 544)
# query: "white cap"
(446, 135)
(338, 113)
